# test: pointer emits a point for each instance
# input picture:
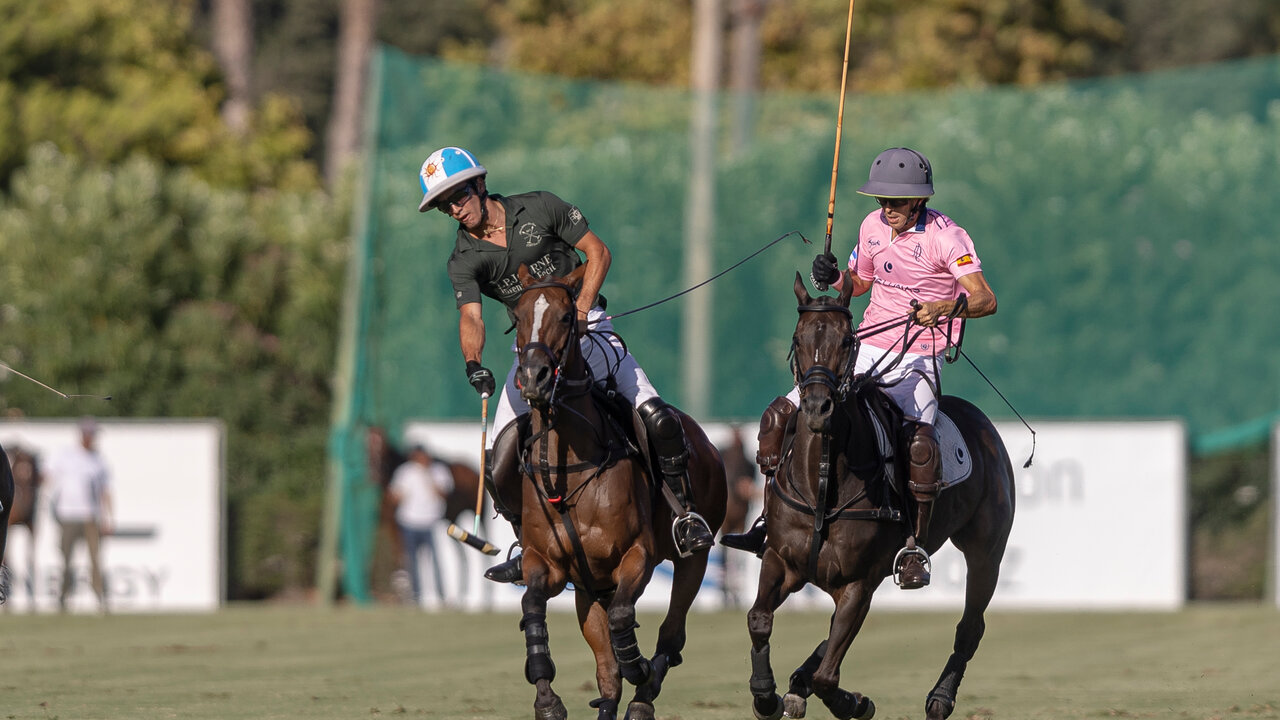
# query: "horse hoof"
(557, 711)
(767, 708)
(793, 705)
(869, 713)
(939, 707)
(637, 710)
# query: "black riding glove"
(480, 378)
(824, 271)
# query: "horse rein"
(543, 472)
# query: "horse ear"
(574, 279)
(802, 293)
(526, 279)
(846, 292)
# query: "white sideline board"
(1100, 524)
(1275, 514)
(167, 553)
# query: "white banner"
(166, 551)
(1100, 524)
(1275, 514)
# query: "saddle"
(889, 488)
(886, 486)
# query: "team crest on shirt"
(965, 259)
(917, 252)
(531, 234)
(575, 215)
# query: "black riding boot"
(502, 479)
(773, 428)
(690, 530)
(912, 563)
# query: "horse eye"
(567, 319)
(846, 341)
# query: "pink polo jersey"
(923, 263)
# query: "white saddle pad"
(956, 463)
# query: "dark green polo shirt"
(542, 230)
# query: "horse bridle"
(819, 374)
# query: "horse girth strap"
(844, 512)
(579, 552)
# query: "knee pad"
(666, 433)
(924, 445)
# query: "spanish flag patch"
(965, 259)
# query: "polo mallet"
(473, 538)
(61, 394)
(835, 163)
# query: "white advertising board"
(1275, 514)
(166, 551)
(1100, 524)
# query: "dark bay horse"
(592, 512)
(19, 488)
(832, 521)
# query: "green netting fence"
(1127, 226)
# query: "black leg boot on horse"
(911, 566)
(690, 530)
(502, 479)
(773, 429)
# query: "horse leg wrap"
(802, 679)
(606, 709)
(773, 429)
(537, 663)
(635, 668)
(848, 705)
(762, 683)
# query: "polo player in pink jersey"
(906, 253)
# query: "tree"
(180, 299)
(104, 79)
(233, 46)
(355, 44)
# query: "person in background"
(80, 497)
(419, 489)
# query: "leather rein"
(546, 475)
(840, 384)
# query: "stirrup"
(678, 530)
(911, 550)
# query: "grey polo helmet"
(444, 170)
(899, 173)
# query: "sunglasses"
(457, 197)
(894, 202)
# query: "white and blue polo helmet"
(445, 169)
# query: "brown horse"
(19, 483)
(832, 520)
(593, 514)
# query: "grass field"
(260, 661)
